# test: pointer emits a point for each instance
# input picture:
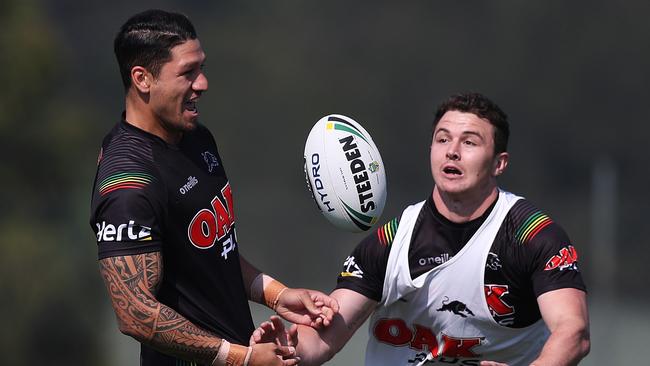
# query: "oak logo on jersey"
(351, 269)
(455, 307)
(211, 160)
(494, 297)
(122, 232)
(396, 332)
(567, 258)
(209, 226)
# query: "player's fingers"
(327, 314)
(256, 337)
(492, 363)
(293, 335)
(285, 351)
(277, 324)
(317, 323)
(327, 301)
(308, 303)
(326, 321)
(264, 333)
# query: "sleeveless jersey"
(442, 316)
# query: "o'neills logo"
(123, 232)
(191, 182)
(359, 173)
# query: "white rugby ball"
(345, 173)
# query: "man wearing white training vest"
(473, 275)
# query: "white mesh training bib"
(443, 317)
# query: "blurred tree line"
(48, 297)
(572, 76)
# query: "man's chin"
(190, 125)
(452, 190)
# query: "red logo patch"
(209, 226)
(397, 333)
(567, 258)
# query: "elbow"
(135, 331)
(584, 345)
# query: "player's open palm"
(270, 354)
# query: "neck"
(144, 119)
(464, 207)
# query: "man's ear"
(141, 79)
(500, 163)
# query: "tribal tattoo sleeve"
(131, 282)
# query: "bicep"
(132, 281)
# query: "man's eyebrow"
(442, 129)
(192, 63)
(468, 132)
(473, 133)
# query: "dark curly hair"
(483, 107)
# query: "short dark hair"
(483, 107)
(146, 40)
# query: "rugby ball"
(345, 173)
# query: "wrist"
(267, 290)
(272, 294)
(232, 355)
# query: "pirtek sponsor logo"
(358, 169)
(108, 232)
(396, 333)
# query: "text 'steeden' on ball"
(345, 173)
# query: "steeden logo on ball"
(345, 173)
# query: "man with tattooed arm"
(162, 210)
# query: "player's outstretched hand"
(273, 331)
(270, 354)
(307, 307)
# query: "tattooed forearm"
(131, 282)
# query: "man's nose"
(200, 83)
(452, 153)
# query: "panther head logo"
(211, 160)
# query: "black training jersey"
(530, 255)
(152, 196)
